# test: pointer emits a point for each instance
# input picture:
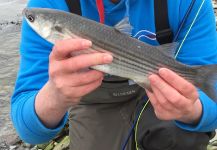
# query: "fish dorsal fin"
(169, 49)
(124, 26)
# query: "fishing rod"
(184, 20)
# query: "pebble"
(13, 147)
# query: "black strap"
(74, 6)
(164, 33)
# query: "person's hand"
(69, 78)
(174, 98)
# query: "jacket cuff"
(208, 119)
(34, 124)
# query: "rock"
(12, 140)
(36, 148)
(63, 145)
(42, 146)
(50, 146)
(4, 146)
(13, 147)
(26, 145)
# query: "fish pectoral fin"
(124, 26)
(169, 49)
(66, 34)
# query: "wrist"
(194, 116)
(59, 100)
(55, 101)
(48, 109)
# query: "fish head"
(44, 23)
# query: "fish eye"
(31, 18)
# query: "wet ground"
(10, 21)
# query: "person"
(52, 87)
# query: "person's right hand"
(69, 78)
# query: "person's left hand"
(174, 98)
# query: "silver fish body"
(133, 59)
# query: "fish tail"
(206, 80)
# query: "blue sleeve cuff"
(208, 121)
(35, 132)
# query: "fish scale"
(133, 59)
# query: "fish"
(132, 58)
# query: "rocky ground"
(60, 142)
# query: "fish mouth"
(25, 12)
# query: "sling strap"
(74, 6)
(164, 33)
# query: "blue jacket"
(199, 48)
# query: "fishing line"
(137, 122)
(181, 45)
(131, 130)
(195, 18)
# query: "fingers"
(68, 73)
(168, 99)
(159, 109)
(183, 86)
(80, 91)
(171, 95)
(162, 100)
(62, 49)
(79, 62)
(79, 78)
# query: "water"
(10, 19)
